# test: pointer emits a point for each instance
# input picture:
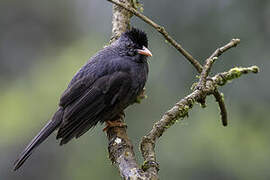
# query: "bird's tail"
(42, 135)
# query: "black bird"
(100, 91)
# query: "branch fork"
(120, 147)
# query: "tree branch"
(210, 61)
(120, 20)
(162, 31)
(205, 72)
(180, 109)
(120, 147)
(223, 111)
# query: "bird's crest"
(137, 36)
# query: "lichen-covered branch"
(222, 78)
(121, 153)
(205, 72)
(180, 110)
(161, 30)
(120, 147)
(120, 19)
(210, 61)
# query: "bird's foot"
(116, 123)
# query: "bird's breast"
(139, 75)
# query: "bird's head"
(134, 43)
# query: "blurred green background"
(43, 43)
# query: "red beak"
(144, 51)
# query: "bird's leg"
(116, 122)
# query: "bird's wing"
(104, 99)
(76, 90)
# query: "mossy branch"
(120, 147)
(180, 109)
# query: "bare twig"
(161, 30)
(210, 61)
(223, 111)
(220, 51)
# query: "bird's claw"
(116, 123)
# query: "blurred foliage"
(42, 44)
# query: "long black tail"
(42, 135)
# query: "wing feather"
(75, 90)
(102, 101)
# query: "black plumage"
(108, 83)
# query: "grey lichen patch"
(147, 164)
(118, 140)
(214, 59)
(182, 112)
(120, 20)
(236, 41)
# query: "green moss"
(145, 166)
(193, 86)
(190, 102)
(183, 112)
(234, 73)
(137, 5)
(222, 96)
(238, 71)
(255, 69)
(203, 105)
